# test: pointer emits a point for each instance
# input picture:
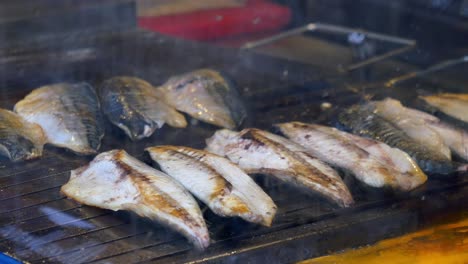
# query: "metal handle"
(437, 67)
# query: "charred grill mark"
(223, 187)
(150, 194)
(298, 162)
(249, 135)
(223, 192)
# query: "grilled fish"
(257, 151)
(372, 162)
(216, 181)
(205, 95)
(19, 139)
(412, 122)
(455, 105)
(361, 120)
(69, 114)
(116, 181)
(424, 127)
(132, 104)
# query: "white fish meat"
(372, 162)
(69, 114)
(133, 105)
(257, 151)
(452, 104)
(19, 139)
(116, 181)
(412, 122)
(205, 95)
(216, 181)
(363, 121)
(454, 138)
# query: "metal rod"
(266, 41)
(378, 58)
(434, 68)
(373, 35)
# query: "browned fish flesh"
(116, 181)
(452, 104)
(258, 151)
(216, 181)
(372, 162)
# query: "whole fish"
(257, 151)
(216, 181)
(412, 122)
(205, 95)
(116, 181)
(419, 125)
(372, 162)
(361, 120)
(455, 105)
(69, 114)
(19, 139)
(132, 104)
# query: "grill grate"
(38, 224)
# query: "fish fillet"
(19, 139)
(455, 105)
(412, 123)
(257, 151)
(205, 95)
(69, 114)
(453, 138)
(372, 162)
(133, 105)
(361, 120)
(216, 181)
(116, 181)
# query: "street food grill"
(39, 223)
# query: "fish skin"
(216, 181)
(133, 105)
(412, 122)
(205, 95)
(19, 139)
(372, 162)
(452, 104)
(69, 114)
(455, 138)
(257, 151)
(361, 120)
(116, 181)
